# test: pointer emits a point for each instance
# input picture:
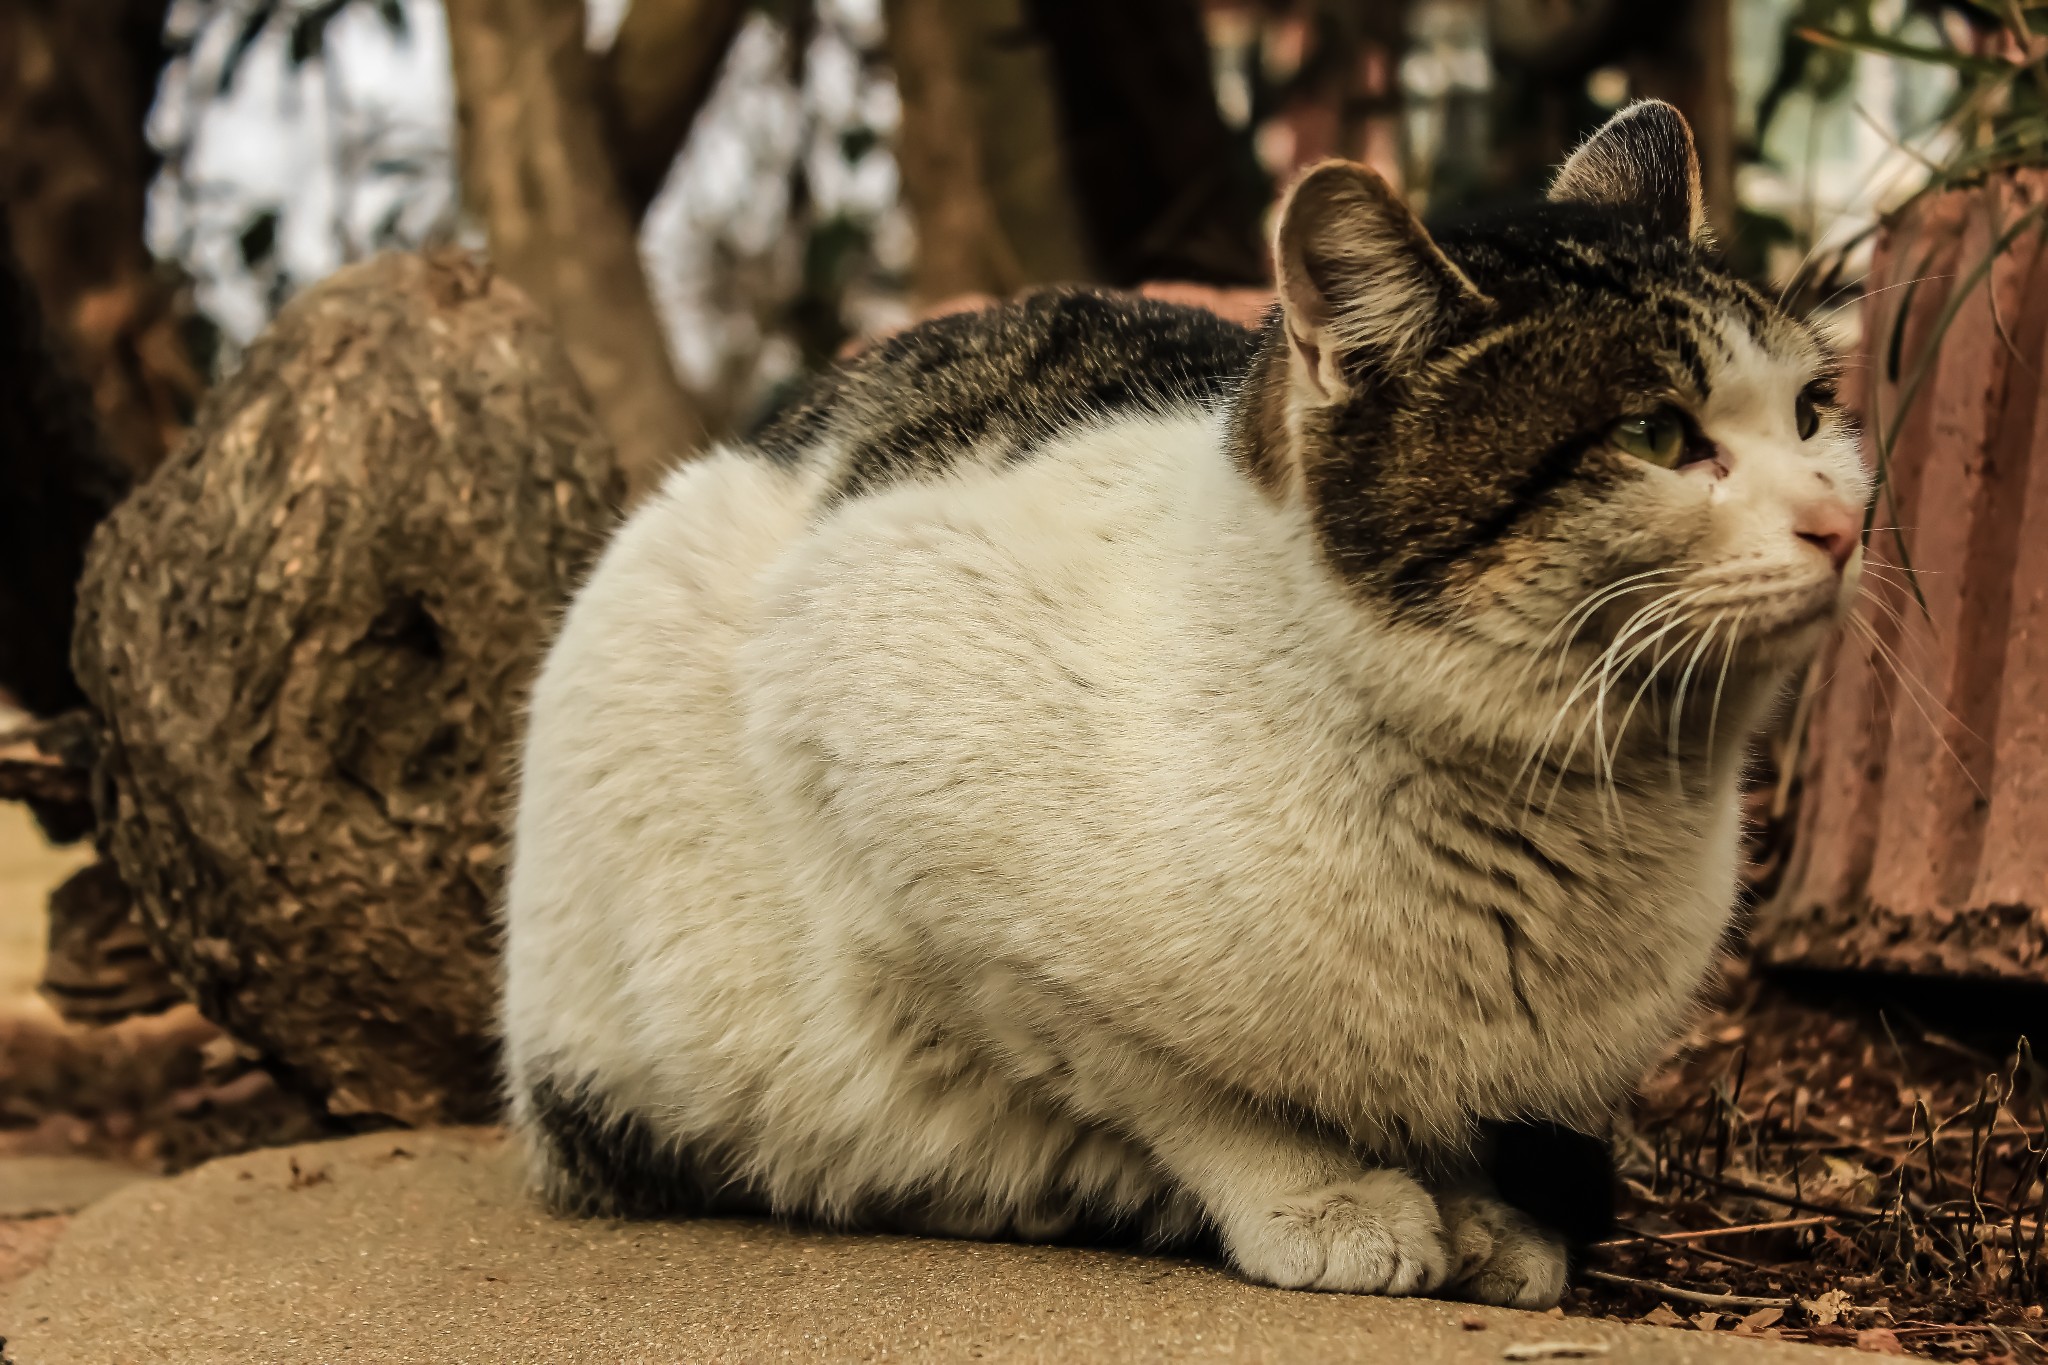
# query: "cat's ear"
(1642, 158)
(1359, 275)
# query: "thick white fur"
(1066, 833)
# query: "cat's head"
(1493, 427)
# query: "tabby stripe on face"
(1463, 357)
(1695, 364)
(1707, 322)
(1557, 467)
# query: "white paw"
(1501, 1255)
(1378, 1234)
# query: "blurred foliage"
(305, 24)
(249, 233)
(1999, 54)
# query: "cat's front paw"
(1378, 1234)
(1501, 1255)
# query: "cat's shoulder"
(998, 383)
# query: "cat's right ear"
(1643, 158)
(1359, 276)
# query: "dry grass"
(1824, 1164)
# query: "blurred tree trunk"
(55, 485)
(1044, 140)
(659, 71)
(77, 78)
(1691, 63)
(537, 170)
(1165, 189)
(985, 172)
(1683, 52)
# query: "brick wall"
(1922, 839)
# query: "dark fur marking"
(1510, 940)
(1422, 477)
(605, 1164)
(1011, 378)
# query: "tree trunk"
(1166, 191)
(55, 485)
(1691, 63)
(77, 78)
(985, 172)
(309, 637)
(661, 68)
(536, 169)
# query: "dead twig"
(1775, 1196)
(1705, 1234)
(1656, 1239)
(1670, 1291)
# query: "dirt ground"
(422, 1246)
(1841, 1161)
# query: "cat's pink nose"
(1831, 525)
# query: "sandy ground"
(35, 1191)
(29, 868)
(420, 1247)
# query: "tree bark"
(984, 168)
(661, 68)
(308, 638)
(536, 169)
(77, 78)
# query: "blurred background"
(797, 172)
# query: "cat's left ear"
(1360, 277)
(1642, 158)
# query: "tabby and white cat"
(1090, 767)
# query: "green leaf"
(1912, 52)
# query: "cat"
(1090, 769)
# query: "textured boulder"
(308, 636)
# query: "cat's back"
(994, 386)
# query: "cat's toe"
(1501, 1255)
(1378, 1234)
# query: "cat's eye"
(1806, 408)
(1660, 437)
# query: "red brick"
(1922, 843)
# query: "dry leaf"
(1829, 1309)
(1760, 1319)
(1662, 1316)
(1555, 1350)
(1882, 1340)
(1707, 1320)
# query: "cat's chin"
(1793, 641)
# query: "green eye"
(1659, 438)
